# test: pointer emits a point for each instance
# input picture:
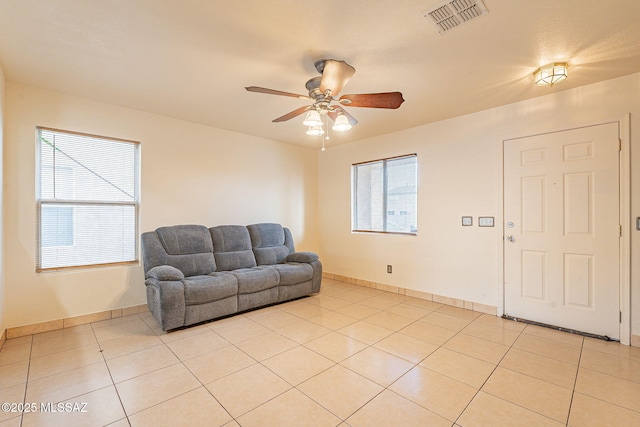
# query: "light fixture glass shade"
(550, 74)
(315, 131)
(341, 124)
(312, 119)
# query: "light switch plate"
(485, 221)
(467, 221)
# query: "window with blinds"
(385, 195)
(87, 200)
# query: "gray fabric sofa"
(194, 273)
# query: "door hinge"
(620, 231)
(619, 144)
(620, 317)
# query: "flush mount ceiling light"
(550, 74)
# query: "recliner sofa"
(194, 273)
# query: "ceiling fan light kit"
(312, 119)
(341, 123)
(550, 74)
(324, 90)
(315, 130)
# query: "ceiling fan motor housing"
(313, 86)
(322, 101)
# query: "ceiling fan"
(324, 91)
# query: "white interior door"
(562, 229)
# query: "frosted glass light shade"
(550, 74)
(341, 124)
(312, 119)
(315, 131)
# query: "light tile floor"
(349, 356)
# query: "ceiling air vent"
(452, 13)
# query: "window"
(56, 226)
(385, 194)
(87, 200)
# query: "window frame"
(61, 202)
(385, 195)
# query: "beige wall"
(2, 245)
(197, 174)
(460, 173)
(190, 173)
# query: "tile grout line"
(415, 364)
(126, 415)
(26, 386)
(180, 361)
(385, 388)
(575, 382)
(191, 372)
(209, 391)
(489, 376)
(333, 365)
(293, 387)
(535, 378)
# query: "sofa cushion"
(185, 239)
(154, 252)
(302, 257)
(269, 243)
(213, 287)
(266, 234)
(255, 279)
(270, 256)
(293, 273)
(232, 247)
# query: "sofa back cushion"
(271, 243)
(185, 239)
(186, 247)
(232, 247)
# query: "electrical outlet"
(389, 269)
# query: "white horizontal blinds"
(385, 197)
(369, 182)
(401, 195)
(87, 200)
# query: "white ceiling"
(191, 59)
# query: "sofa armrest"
(307, 257)
(166, 302)
(165, 273)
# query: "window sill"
(397, 233)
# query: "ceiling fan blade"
(274, 92)
(335, 75)
(292, 114)
(337, 109)
(373, 100)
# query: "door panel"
(533, 274)
(562, 210)
(578, 280)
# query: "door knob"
(510, 239)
